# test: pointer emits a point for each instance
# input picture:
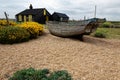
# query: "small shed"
(59, 17)
(40, 15)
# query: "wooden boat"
(72, 28)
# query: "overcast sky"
(75, 9)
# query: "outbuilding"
(59, 17)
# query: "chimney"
(30, 7)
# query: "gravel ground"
(91, 59)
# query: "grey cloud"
(75, 9)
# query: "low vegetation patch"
(60, 75)
(10, 35)
(100, 34)
(111, 33)
(106, 25)
(44, 74)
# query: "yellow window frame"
(44, 13)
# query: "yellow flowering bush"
(4, 23)
(35, 29)
(10, 35)
(1, 27)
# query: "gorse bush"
(33, 28)
(10, 35)
(4, 23)
(44, 74)
(1, 27)
(15, 33)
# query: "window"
(61, 19)
(24, 18)
(30, 17)
(19, 18)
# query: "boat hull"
(66, 29)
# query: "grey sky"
(75, 9)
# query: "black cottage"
(40, 15)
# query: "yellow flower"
(4, 23)
(33, 28)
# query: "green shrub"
(107, 25)
(30, 74)
(44, 74)
(60, 75)
(10, 35)
(101, 33)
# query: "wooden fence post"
(6, 18)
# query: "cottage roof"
(33, 11)
(61, 14)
